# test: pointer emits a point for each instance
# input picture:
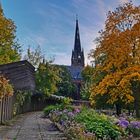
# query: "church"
(77, 61)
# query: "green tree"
(92, 76)
(47, 78)
(9, 48)
(87, 74)
(65, 86)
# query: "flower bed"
(85, 124)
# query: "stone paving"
(31, 126)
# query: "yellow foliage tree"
(119, 46)
(9, 48)
(5, 88)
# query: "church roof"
(75, 72)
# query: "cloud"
(61, 58)
(41, 40)
(123, 1)
(57, 27)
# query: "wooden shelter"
(21, 74)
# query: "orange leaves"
(116, 85)
(120, 41)
(123, 18)
(5, 88)
(119, 47)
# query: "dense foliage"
(117, 55)
(65, 86)
(87, 74)
(91, 77)
(47, 77)
(82, 123)
(9, 48)
(99, 124)
(22, 98)
(6, 88)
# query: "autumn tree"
(91, 77)
(9, 48)
(6, 88)
(119, 47)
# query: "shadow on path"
(31, 126)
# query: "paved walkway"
(31, 126)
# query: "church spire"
(77, 43)
(77, 58)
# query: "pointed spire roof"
(77, 43)
(77, 58)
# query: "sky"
(51, 24)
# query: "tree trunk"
(118, 109)
(137, 108)
(136, 93)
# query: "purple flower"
(77, 110)
(65, 110)
(70, 114)
(58, 112)
(135, 124)
(123, 123)
(61, 122)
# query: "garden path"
(31, 126)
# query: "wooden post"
(4, 107)
(0, 110)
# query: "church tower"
(77, 58)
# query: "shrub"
(98, 124)
(50, 108)
(21, 97)
(58, 107)
(6, 89)
(66, 101)
(134, 128)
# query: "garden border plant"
(82, 123)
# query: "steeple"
(77, 43)
(77, 58)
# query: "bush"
(100, 125)
(6, 89)
(50, 108)
(21, 98)
(58, 107)
(134, 128)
